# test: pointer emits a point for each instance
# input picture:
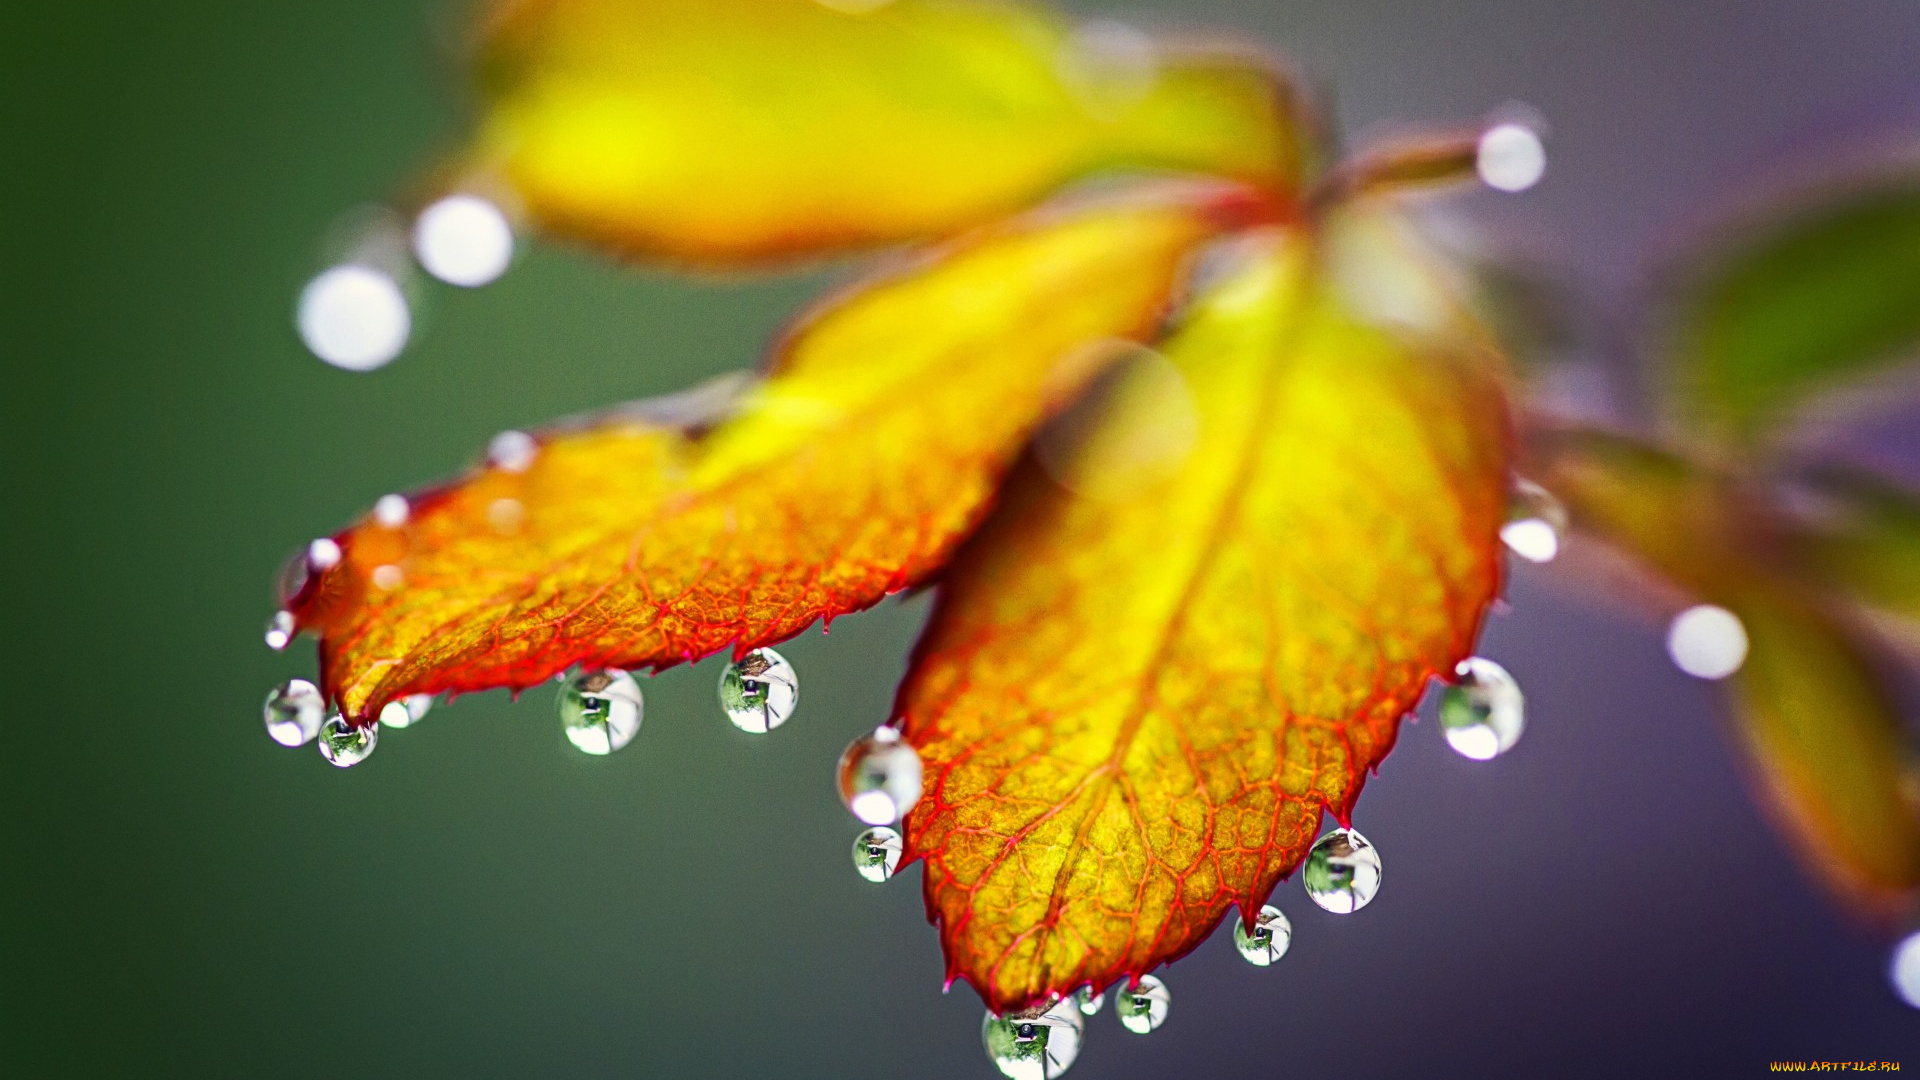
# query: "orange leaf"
(851, 471)
(722, 131)
(1136, 698)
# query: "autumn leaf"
(871, 448)
(1817, 720)
(1136, 698)
(728, 131)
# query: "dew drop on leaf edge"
(880, 777)
(1267, 941)
(876, 853)
(1483, 714)
(600, 710)
(1036, 1045)
(1089, 1001)
(759, 691)
(294, 712)
(1342, 872)
(280, 630)
(1143, 1008)
(344, 745)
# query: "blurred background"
(183, 897)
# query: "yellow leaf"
(726, 131)
(872, 446)
(1133, 705)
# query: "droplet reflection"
(343, 744)
(1143, 1008)
(601, 710)
(405, 712)
(759, 691)
(876, 853)
(1038, 1045)
(1536, 523)
(1267, 940)
(1483, 713)
(1342, 872)
(294, 712)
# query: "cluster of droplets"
(296, 714)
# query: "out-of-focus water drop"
(354, 317)
(323, 554)
(1143, 1007)
(294, 712)
(1342, 872)
(1536, 523)
(405, 712)
(1037, 1045)
(391, 511)
(601, 710)
(1088, 1001)
(1511, 157)
(876, 853)
(1108, 66)
(1707, 642)
(1267, 940)
(343, 744)
(280, 630)
(759, 691)
(880, 777)
(512, 451)
(1904, 970)
(1483, 713)
(463, 240)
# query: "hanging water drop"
(294, 711)
(1144, 1006)
(405, 712)
(1536, 523)
(354, 317)
(880, 777)
(1342, 871)
(1483, 714)
(1267, 940)
(876, 853)
(601, 710)
(280, 630)
(759, 691)
(1036, 1045)
(1089, 1001)
(343, 744)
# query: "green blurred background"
(182, 897)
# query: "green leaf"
(1813, 300)
(1869, 545)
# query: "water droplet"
(280, 630)
(1511, 157)
(1483, 714)
(1144, 1007)
(343, 744)
(506, 515)
(1707, 642)
(1342, 872)
(1036, 1045)
(1089, 1001)
(323, 554)
(1904, 970)
(759, 691)
(391, 511)
(1536, 523)
(388, 577)
(601, 710)
(880, 777)
(876, 853)
(463, 240)
(405, 712)
(1269, 938)
(512, 451)
(294, 711)
(354, 317)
